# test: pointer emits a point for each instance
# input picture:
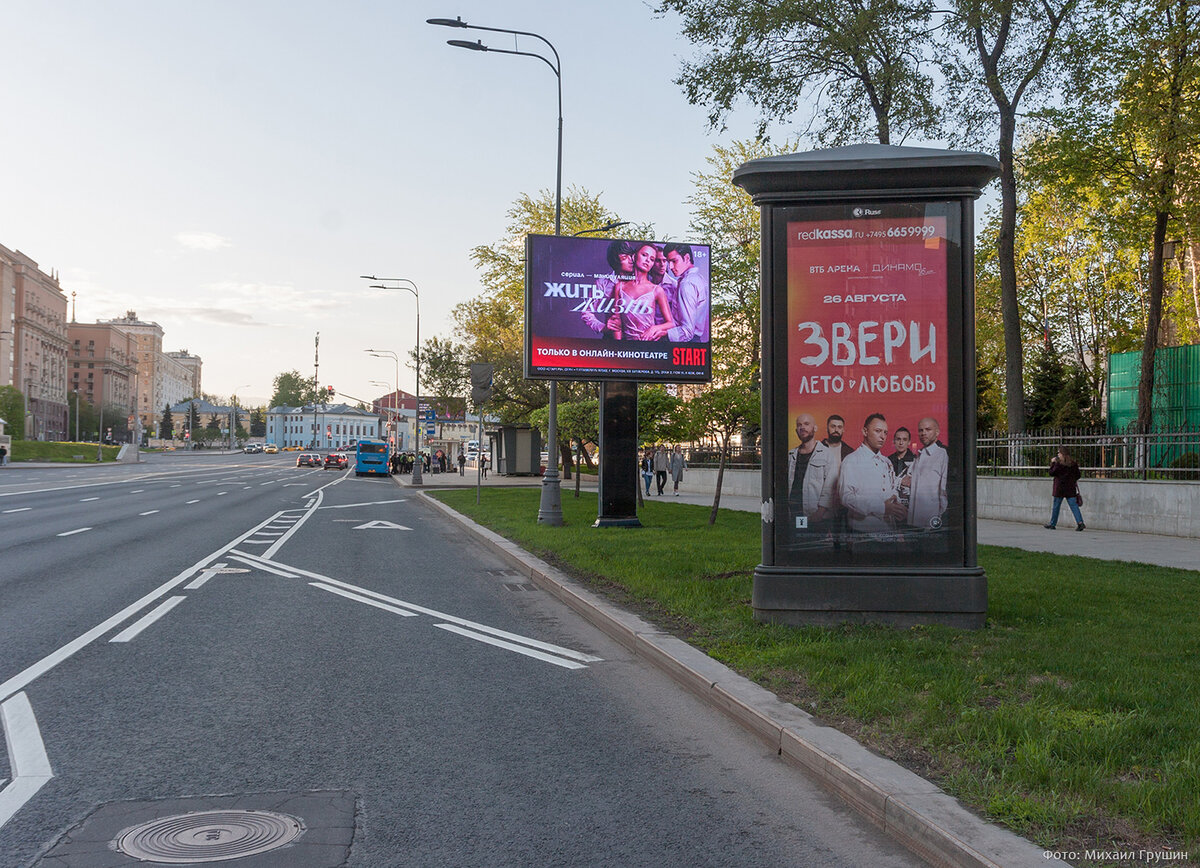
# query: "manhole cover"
(209, 836)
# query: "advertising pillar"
(868, 386)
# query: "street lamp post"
(416, 294)
(233, 413)
(550, 509)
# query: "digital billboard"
(604, 309)
(870, 420)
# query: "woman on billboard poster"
(638, 298)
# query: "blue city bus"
(371, 458)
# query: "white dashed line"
(151, 512)
(22, 509)
(72, 532)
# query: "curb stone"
(914, 811)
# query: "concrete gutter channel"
(915, 812)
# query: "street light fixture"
(416, 294)
(607, 227)
(550, 510)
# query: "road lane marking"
(259, 566)
(191, 501)
(137, 491)
(371, 503)
(379, 523)
(22, 509)
(151, 512)
(378, 605)
(86, 499)
(34, 671)
(131, 632)
(441, 616)
(73, 532)
(28, 762)
(510, 646)
(203, 577)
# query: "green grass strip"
(67, 453)
(1073, 717)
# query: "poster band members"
(812, 478)
(867, 483)
(902, 459)
(928, 500)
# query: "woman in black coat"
(1065, 471)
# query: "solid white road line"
(260, 566)
(23, 678)
(441, 616)
(528, 652)
(131, 632)
(27, 756)
(73, 532)
(204, 577)
(21, 509)
(402, 612)
(372, 503)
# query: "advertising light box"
(603, 309)
(870, 402)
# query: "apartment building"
(33, 343)
(103, 362)
(160, 378)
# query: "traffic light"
(330, 390)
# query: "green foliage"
(193, 419)
(61, 453)
(491, 325)
(293, 390)
(446, 374)
(12, 411)
(662, 417)
(166, 426)
(862, 64)
(1071, 717)
(1059, 396)
(258, 421)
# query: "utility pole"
(316, 380)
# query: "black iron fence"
(1171, 454)
(1158, 455)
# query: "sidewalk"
(1163, 551)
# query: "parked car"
(336, 460)
(308, 459)
(271, 449)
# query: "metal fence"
(1171, 454)
(1157, 455)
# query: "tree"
(1059, 395)
(1010, 45)
(578, 423)
(166, 426)
(12, 411)
(446, 373)
(862, 62)
(722, 412)
(491, 325)
(193, 420)
(258, 421)
(293, 390)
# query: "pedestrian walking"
(1065, 471)
(647, 465)
(3, 456)
(661, 465)
(486, 462)
(462, 464)
(677, 463)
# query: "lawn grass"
(1073, 717)
(39, 450)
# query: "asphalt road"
(321, 633)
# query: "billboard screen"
(604, 309)
(869, 382)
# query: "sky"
(228, 169)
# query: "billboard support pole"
(618, 455)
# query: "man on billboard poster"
(927, 498)
(812, 479)
(867, 484)
(691, 297)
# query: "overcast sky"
(228, 168)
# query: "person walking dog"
(1065, 471)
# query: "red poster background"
(843, 276)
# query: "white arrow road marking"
(513, 641)
(381, 524)
(26, 754)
